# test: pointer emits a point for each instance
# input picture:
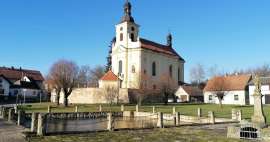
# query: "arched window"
(154, 69)
(121, 36)
(121, 29)
(132, 29)
(132, 37)
(171, 70)
(120, 67)
(133, 69)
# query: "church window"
(121, 37)
(132, 29)
(133, 69)
(132, 37)
(154, 69)
(121, 29)
(120, 67)
(170, 70)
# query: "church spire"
(127, 13)
(169, 39)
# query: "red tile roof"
(193, 91)
(109, 76)
(156, 47)
(230, 83)
(17, 74)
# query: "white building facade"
(265, 90)
(139, 62)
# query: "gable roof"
(264, 81)
(109, 76)
(230, 83)
(156, 47)
(192, 90)
(17, 74)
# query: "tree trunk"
(57, 99)
(66, 100)
(220, 102)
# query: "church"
(142, 63)
(139, 68)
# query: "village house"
(265, 88)
(187, 93)
(235, 88)
(20, 83)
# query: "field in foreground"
(180, 134)
(187, 109)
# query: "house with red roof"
(20, 83)
(234, 87)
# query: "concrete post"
(49, 109)
(137, 108)
(76, 108)
(174, 110)
(19, 117)
(16, 109)
(239, 115)
(199, 112)
(154, 109)
(10, 114)
(177, 116)
(34, 122)
(122, 108)
(234, 116)
(41, 127)
(1, 111)
(4, 112)
(160, 120)
(109, 118)
(211, 117)
(100, 108)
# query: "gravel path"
(10, 132)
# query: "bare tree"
(95, 74)
(64, 74)
(141, 83)
(219, 87)
(53, 85)
(167, 87)
(111, 94)
(84, 77)
(197, 74)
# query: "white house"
(265, 88)
(235, 89)
(189, 94)
(20, 83)
(140, 61)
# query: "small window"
(132, 37)
(171, 70)
(2, 91)
(154, 69)
(1, 85)
(1, 80)
(132, 29)
(236, 97)
(133, 69)
(121, 37)
(120, 67)
(121, 29)
(16, 92)
(144, 71)
(210, 97)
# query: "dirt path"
(10, 132)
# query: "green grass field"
(187, 109)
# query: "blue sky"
(232, 34)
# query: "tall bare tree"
(197, 74)
(95, 74)
(167, 86)
(53, 85)
(84, 77)
(111, 94)
(64, 74)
